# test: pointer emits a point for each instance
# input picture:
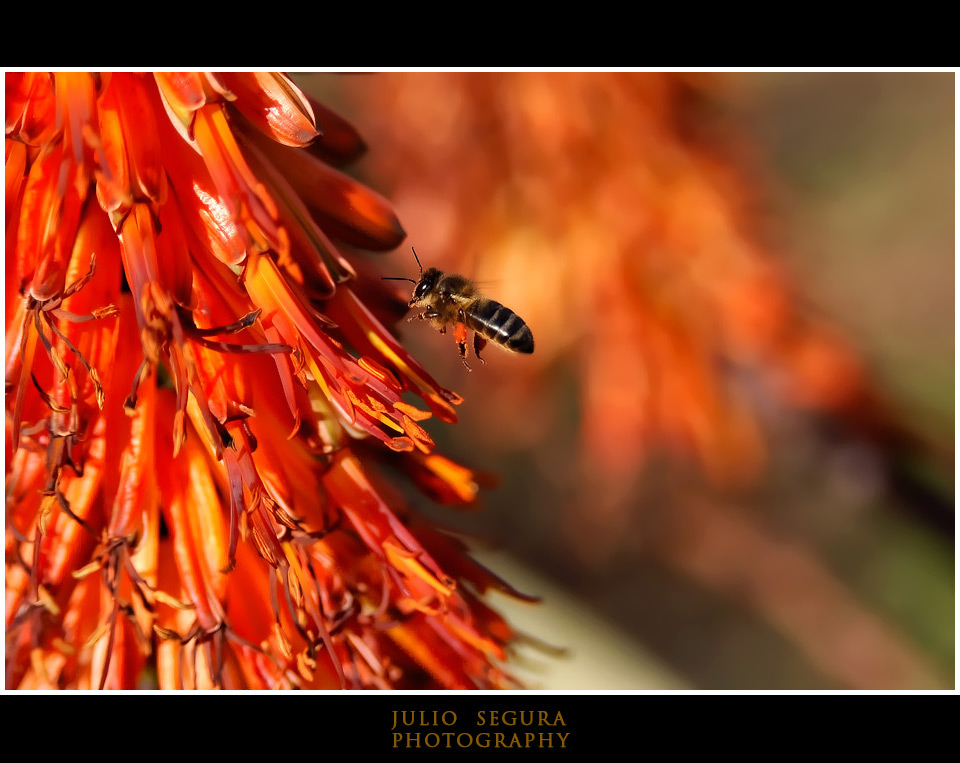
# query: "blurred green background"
(837, 569)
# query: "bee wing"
(480, 289)
(461, 299)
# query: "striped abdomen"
(500, 325)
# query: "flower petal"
(274, 105)
(347, 209)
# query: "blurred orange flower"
(617, 214)
(204, 400)
(632, 248)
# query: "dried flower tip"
(97, 634)
(64, 647)
(39, 664)
(44, 597)
(163, 597)
(105, 312)
(167, 634)
(87, 569)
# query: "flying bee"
(445, 299)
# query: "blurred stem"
(791, 590)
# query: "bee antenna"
(393, 278)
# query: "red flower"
(204, 398)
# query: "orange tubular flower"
(202, 390)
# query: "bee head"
(428, 280)
(425, 285)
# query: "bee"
(445, 299)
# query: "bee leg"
(425, 315)
(460, 334)
(478, 344)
